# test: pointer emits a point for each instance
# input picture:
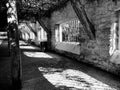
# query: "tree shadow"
(59, 70)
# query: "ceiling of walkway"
(33, 7)
(28, 8)
(41, 7)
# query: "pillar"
(15, 53)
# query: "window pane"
(71, 31)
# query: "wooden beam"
(38, 18)
(49, 34)
(82, 16)
(44, 26)
(34, 31)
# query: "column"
(15, 54)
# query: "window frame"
(59, 30)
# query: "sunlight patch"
(28, 47)
(37, 55)
(1, 42)
(22, 43)
(73, 79)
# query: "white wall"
(69, 47)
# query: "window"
(69, 31)
(114, 35)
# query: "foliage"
(39, 5)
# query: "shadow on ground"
(48, 71)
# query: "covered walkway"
(5, 66)
(59, 45)
(50, 71)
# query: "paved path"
(48, 71)
(5, 66)
(4, 51)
